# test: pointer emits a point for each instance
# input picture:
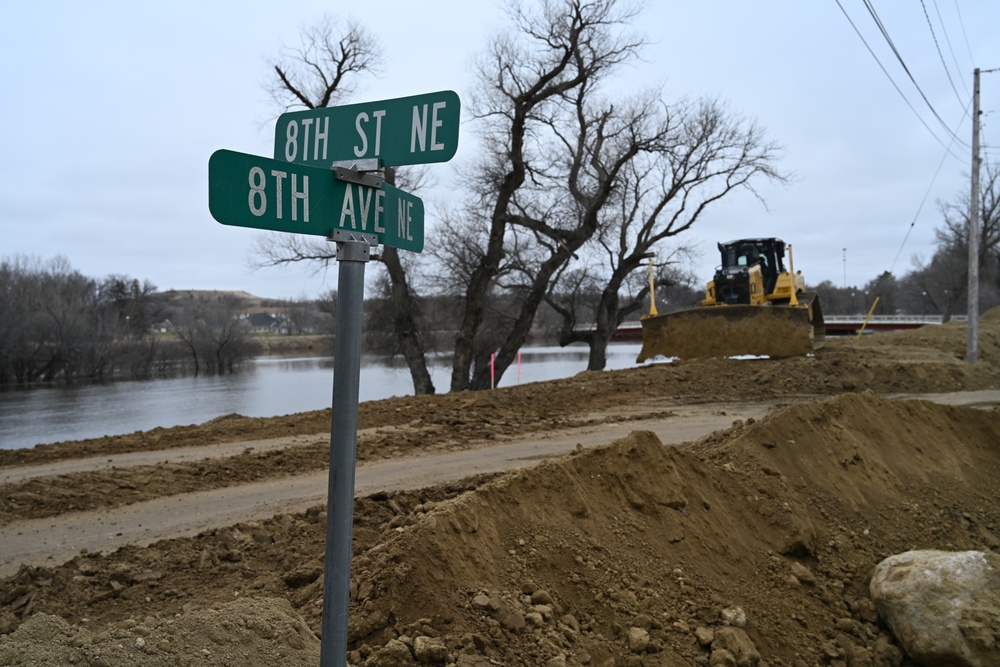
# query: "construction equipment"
(753, 307)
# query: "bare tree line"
(58, 325)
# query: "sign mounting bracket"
(353, 246)
(368, 179)
(362, 172)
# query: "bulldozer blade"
(735, 330)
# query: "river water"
(268, 387)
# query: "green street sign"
(407, 130)
(261, 193)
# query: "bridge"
(836, 325)
(849, 325)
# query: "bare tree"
(840, 300)
(57, 324)
(554, 173)
(325, 68)
(955, 232)
(215, 335)
(564, 46)
(20, 349)
(697, 155)
(132, 303)
(601, 144)
(62, 321)
(885, 287)
(581, 170)
(943, 280)
(321, 72)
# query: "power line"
(913, 223)
(899, 57)
(965, 113)
(938, 47)
(965, 35)
(951, 49)
(893, 82)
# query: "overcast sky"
(111, 110)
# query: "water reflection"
(269, 386)
(289, 364)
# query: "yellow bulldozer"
(753, 307)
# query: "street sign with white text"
(261, 193)
(408, 130)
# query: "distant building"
(268, 320)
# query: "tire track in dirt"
(148, 458)
(54, 540)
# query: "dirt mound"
(244, 632)
(783, 519)
(949, 340)
(761, 538)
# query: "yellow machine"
(754, 307)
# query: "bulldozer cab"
(768, 254)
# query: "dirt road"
(54, 540)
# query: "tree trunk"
(598, 359)
(609, 316)
(526, 316)
(479, 283)
(405, 323)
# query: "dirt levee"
(638, 534)
(764, 535)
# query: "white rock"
(734, 616)
(737, 644)
(943, 607)
(638, 640)
(429, 650)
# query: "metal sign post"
(298, 193)
(353, 251)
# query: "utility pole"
(845, 268)
(972, 341)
